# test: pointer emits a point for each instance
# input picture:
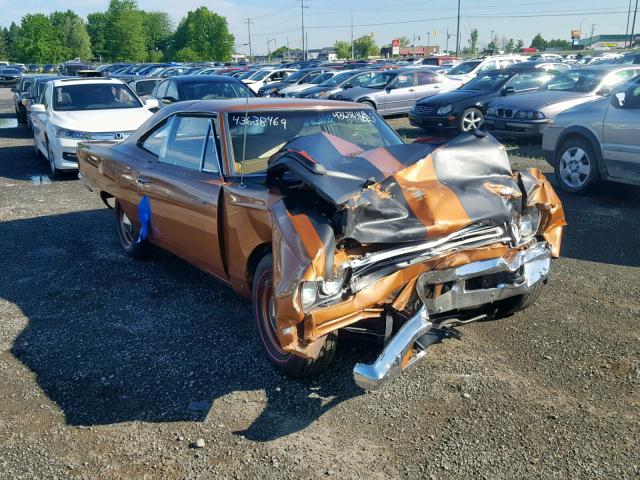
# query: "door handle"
(142, 181)
(412, 90)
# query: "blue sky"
(329, 20)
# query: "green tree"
(97, 24)
(343, 49)
(365, 47)
(510, 46)
(519, 45)
(474, 40)
(538, 42)
(11, 36)
(3, 44)
(492, 47)
(38, 41)
(73, 35)
(187, 55)
(125, 37)
(158, 30)
(559, 43)
(404, 42)
(206, 33)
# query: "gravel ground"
(114, 368)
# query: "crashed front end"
(403, 242)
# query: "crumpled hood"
(537, 100)
(115, 120)
(405, 193)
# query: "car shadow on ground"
(111, 339)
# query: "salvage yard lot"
(112, 368)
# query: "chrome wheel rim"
(471, 121)
(127, 227)
(574, 167)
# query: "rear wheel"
(265, 318)
(576, 167)
(128, 234)
(367, 102)
(471, 119)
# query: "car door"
(160, 91)
(39, 120)
(399, 95)
(621, 133)
(427, 85)
(183, 182)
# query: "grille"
(426, 109)
(505, 112)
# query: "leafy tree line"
(122, 33)
(363, 47)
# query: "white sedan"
(75, 110)
(263, 77)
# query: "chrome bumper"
(528, 267)
(392, 361)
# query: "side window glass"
(185, 142)
(172, 90)
(426, 78)
(404, 80)
(488, 66)
(45, 97)
(211, 153)
(361, 80)
(161, 92)
(156, 142)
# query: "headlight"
(317, 291)
(491, 111)
(444, 110)
(319, 94)
(529, 115)
(269, 91)
(66, 133)
(529, 223)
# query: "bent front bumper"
(468, 286)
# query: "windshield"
(488, 82)
(93, 96)
(260, 75)
(10, 71)
(204, 90)
(294, 77)
(577, 81)
(380, 80)
(464, 67)
(267, 132)
(337, 79)
(321, 78)
(246, 74)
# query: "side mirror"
(168, 100)
(348, 85)
(37, 108)
(507, 91)
(605, 91)
(390, 87)
(151, 103)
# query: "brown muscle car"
(328, 221)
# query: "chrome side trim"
(389, 364)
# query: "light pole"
(248, 21)
(458, 31)
(269, 47)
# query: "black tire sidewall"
(594, 174)
(132, 249)
(262, 285)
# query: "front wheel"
(265, 317)
(519, 302)
(471, 119)
(127, 234)
(576, 167)
(54, 171)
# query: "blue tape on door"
(144, 215)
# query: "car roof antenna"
(244, 140)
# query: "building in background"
(605, 42)
(406, 52)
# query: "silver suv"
(597, 141)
